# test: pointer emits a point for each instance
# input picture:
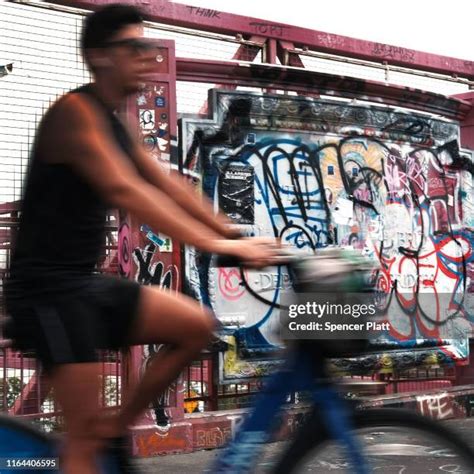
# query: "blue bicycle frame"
(301, 372)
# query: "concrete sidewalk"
(200, 461)
(212, 430)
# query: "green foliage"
(10, 389)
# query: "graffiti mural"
(313, 172)
(154, 267)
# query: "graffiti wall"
(314, 172)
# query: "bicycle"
(334, 422)
(331, 419)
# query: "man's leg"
(170, 319)
(76, 388)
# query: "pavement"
(389, 453)
(199, 462)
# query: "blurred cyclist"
(84, 161)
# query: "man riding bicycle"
(84, 161)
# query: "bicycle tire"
(20, 440)
(313, 436)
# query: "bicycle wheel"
(393, 441)
(20, 441)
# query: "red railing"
(24, 389)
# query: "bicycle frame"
(300, 372)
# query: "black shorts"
(80, 318)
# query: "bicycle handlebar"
(286, 258)
(330, 270)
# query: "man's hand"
(231, 233)
(254, 252)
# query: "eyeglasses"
(135, 45)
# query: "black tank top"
(62, 222)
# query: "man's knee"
(85, 443)
(202, 327)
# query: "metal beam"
(244, 52)
(9, 207)
(166, 12)
(286, 55)
(311, 82)
(29, 363)
(32, 396)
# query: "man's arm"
(76, 133)
(183, 193)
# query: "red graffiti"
(212, 438)
(230, 284)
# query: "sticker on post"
(343, 212)
(164, 243)
(147, 119)
(160, 101)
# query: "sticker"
(141, 100)
(162, 144)
(167, 245)
(251, 138)
(164, 243)
(160, 101)
(161, 133)
(236, 193)
(147, 119)
(149, 142)
(343, 211)
(150, 235)
(159, 90)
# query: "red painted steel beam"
(467, 125)
(29, 363)
(18, 363)
(5, 237)
(32, 396)
(286, 56)
(216, 21)
(245, 52)
(304, 81)
(9, 207)
(271, 51)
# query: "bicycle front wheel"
(393, 441)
